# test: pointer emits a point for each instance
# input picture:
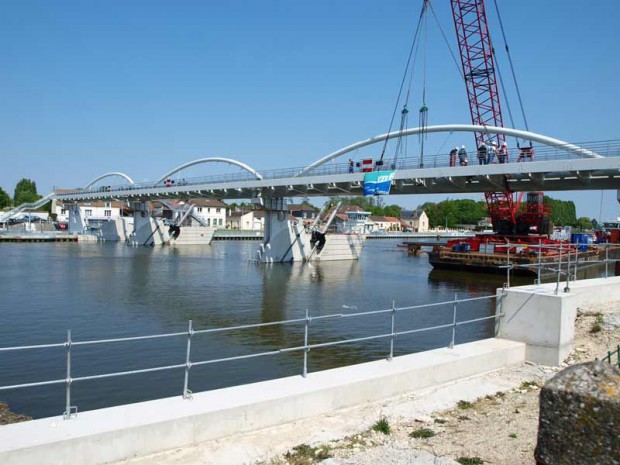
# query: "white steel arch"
(230, 161)
(107, 175)
(527, 135)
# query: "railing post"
(557, 284)
(606, 259)
(67, 414)
(393, 335)
(306, 349)
(567, 288)
(451, 346)
(187, 394)
(576, 263)
(539, 260)
(507, 266)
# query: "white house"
(93, 213)
(211, 211)
(253, 220)
(416, 220)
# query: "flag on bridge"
(378, 182)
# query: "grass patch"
(304, 454)
(422, 433)
(528, 385)
(382, 426)
(513, 436)
(463, 404)
(470, 460)
(599, 318)
(440, 421)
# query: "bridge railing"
(451, 325)
(609, 148)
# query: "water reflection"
(109, 290)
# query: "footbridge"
(557, 165)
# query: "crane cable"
(512, 69)
(423, 118)
(445, 38)
(401, 142)
(400, 91)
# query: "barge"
(523, 254)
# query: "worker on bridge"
(463, 156)
(453, 154)
(502, 155)
(482, 154)
(492, 153)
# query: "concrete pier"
(544, 320)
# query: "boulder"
(579, 420)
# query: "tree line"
(25, 192)
(450, 213)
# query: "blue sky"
(88, 87)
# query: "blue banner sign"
(378, 182)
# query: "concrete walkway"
(266, 444)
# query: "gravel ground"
(498, 429)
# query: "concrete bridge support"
(285, 241)
(76, 222)
(147, 230)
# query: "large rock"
(580, 417)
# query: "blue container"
(582, 239)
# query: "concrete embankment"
(116, 433)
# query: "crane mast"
(478, 67)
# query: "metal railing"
(610, 148)
(69, 345)
(569, 261)
(609, 357)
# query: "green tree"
(5, 200)
(25, 192)
(453, 212)
(584, 223)
(563, 212)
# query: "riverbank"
(491, 418)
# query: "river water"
(107, 290)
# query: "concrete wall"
(546, 321)
(340, 247)
(116, 433)
(194, 235)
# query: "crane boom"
(476, 51)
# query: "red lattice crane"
(478, 66)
